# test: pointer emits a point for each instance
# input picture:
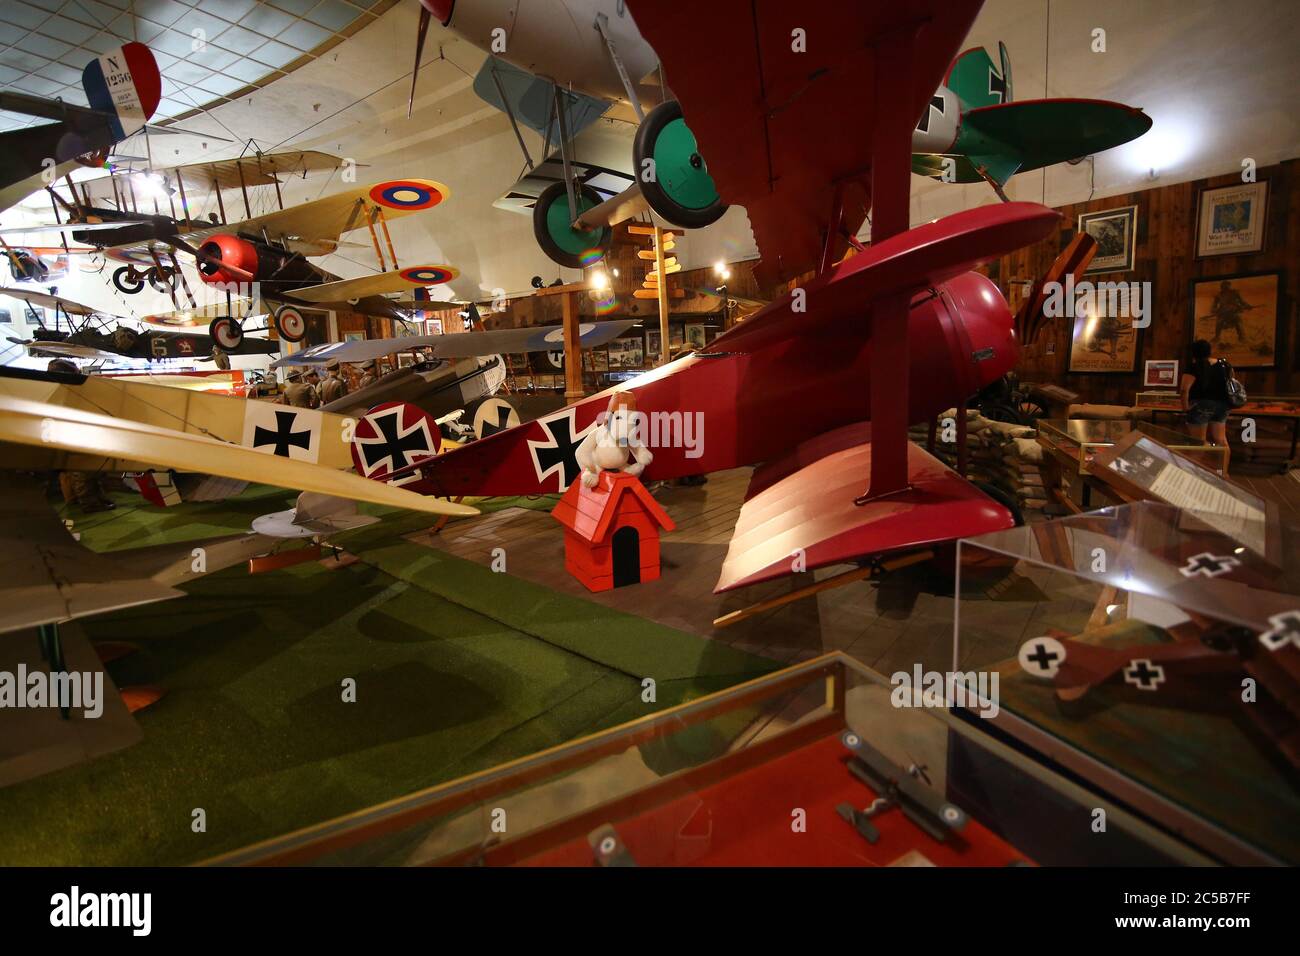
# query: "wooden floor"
(888, 625)
(1283, 490)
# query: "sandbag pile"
(1003, 455)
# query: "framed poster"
(653, 345)
(1103, 342)
(1230, 220)
(1237, 315)
(695, 335)
(1116, 233)
(626, 353)
(1160, 373)
(433, 326)
(354, 336)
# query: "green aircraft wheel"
(677, 184)
(553, 227)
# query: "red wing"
(809, 511)
(779, 127)
(922, 257)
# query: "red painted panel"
(744, 820)
(746, 407)
(779, 127)
(812, 509)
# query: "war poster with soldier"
(1104, 337)
(1116, 233)
(1237, 315)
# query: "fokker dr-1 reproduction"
(890, 335)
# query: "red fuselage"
(754, 406)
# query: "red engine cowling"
(226, 259)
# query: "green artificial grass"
(457, 669)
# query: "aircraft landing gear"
(161, 279)
(673, 176)
(289, 324)
(553, 227)
(128, 280)
(226, 332)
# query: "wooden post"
(663, 295)
(572, 351)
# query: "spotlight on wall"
(721, 271)
(599, 280)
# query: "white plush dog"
(608, 445)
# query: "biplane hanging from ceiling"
(30, 263)
(875, 342)
(78, 331)
(265, 258)
(264, 253)
(560, 74)
(123, 88)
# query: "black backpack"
(1233, 390)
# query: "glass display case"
(1078, 440)
(821, 763)
(1071, 448)
(1152, 651)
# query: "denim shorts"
(1207, 410)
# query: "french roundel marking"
(429, 275)
(404, 194)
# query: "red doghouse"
(611, 531)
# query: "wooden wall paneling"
(1166, 256)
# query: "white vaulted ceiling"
(208, 52)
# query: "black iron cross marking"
(1144, 675)
(392, 445)
(559, 453)
(500, 425)
(283, 436)
(936, 103)
(997, 85)
(1042, 656)
(1285, 630)
(1208, 564)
